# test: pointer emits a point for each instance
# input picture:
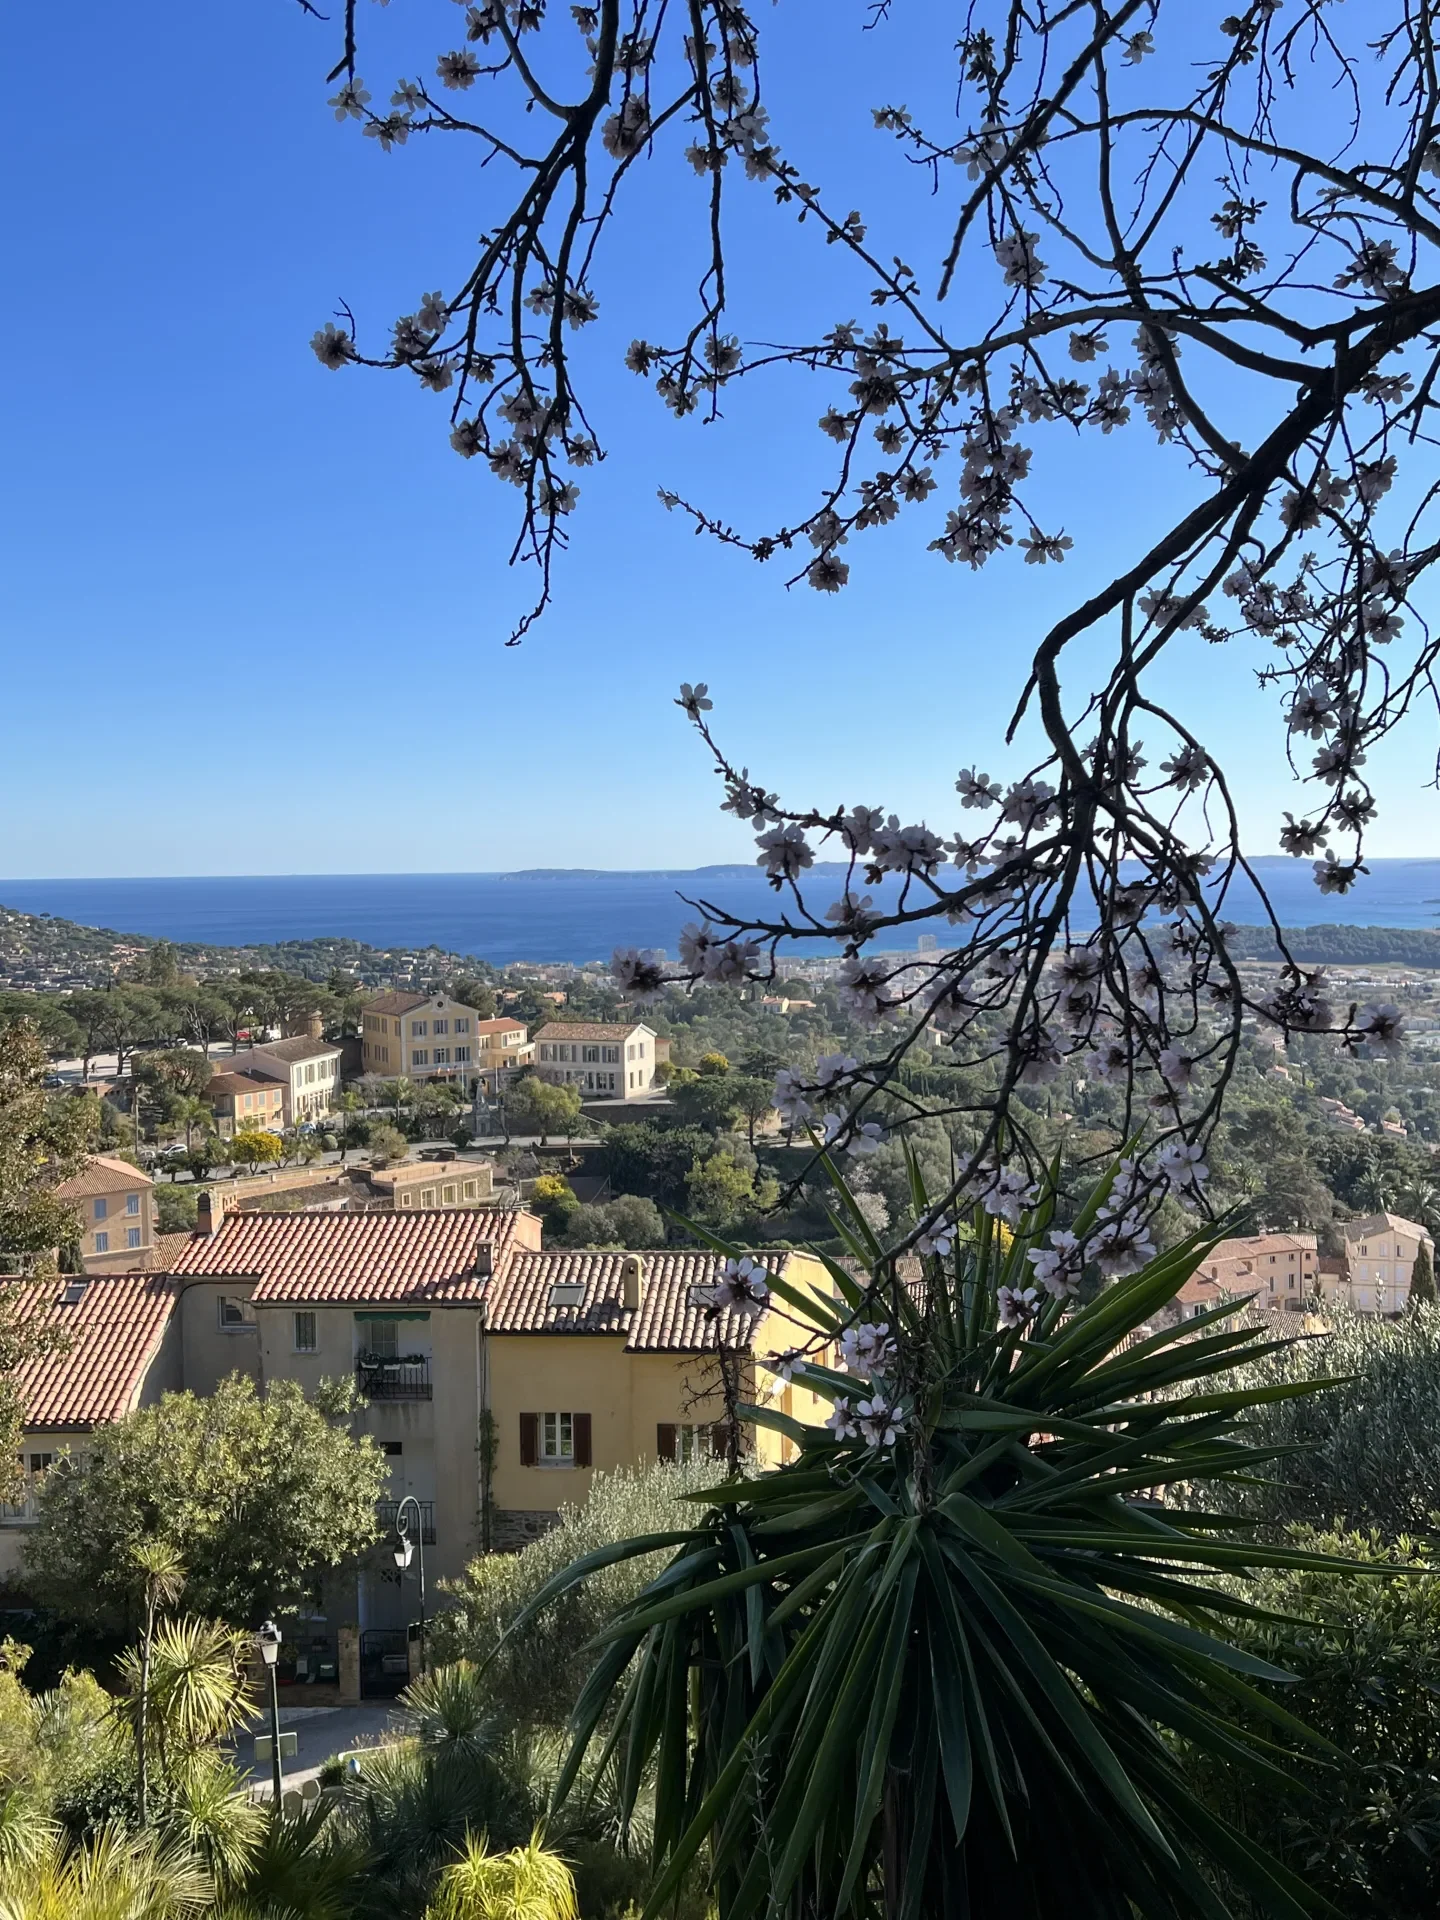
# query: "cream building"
(307, 1068)
(1280, 1269)
(116, 1210)
(502, 1047)
(246, 1102)
(1380, 1254)
(422, 1037)
(609, 1061)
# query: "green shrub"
(539, 1673)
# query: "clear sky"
(253, 612)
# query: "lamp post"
(269, 1638)
(405, 1545)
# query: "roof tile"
(112, 1333)
(102, 1174)
(668, 1319)
(589, 1030)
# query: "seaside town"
(741, 1222)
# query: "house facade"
(1280, 1269)
(605, 1061)
(307, 1069)
(502, 1047)
(115, 1204)
(1380, 1255)
(246, 1102)
(422, 1037)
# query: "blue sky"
(253, 612)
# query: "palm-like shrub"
(945, 1660)
(527, 1883)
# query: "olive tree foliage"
(1213, 235)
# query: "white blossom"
(1058, 1266)
(864, 988)
(1188, 768)
(842, 1421)
(1017, 1305)
(1021, 265)
(1379, 1028)
(1183, 1164)
(1122, 1245)
(784, 852)
(694, 700)
(879, 1421)
(789, 1099)
(351, 101)
(898, 849)
(784, 1365)
(869, 1138)
(332, 346)
(937, 1238)
(867, 1348)
(831, 1068)
(638, 972)
(743, 1288)
(977, 789)
(1176, 1067)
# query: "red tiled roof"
(112, 1334)
(233, 1083)
(668, 1319)
(500, 1026)
(426, 1255)
(587, 1030)
(301, 1047)
(396, 1002)
(165, 1252)
(102, 1174)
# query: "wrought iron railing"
(402, 1379)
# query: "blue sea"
(579, 916)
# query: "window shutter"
(581, 1431)
(529, 1439)
(667, 1440)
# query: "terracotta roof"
(396, 1002)
(500, 1026)
(668, 1319)
(165, 1252)
(302, 1047)
(1373, 1223)
(113, 1332)
(102, 1174)
(429, 1254)
(588, 1030)
(233, 1083)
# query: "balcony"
(407, 1378)
(386, 1511)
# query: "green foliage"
(653, 1161)
(478, 994)
(536, 1676)
(711, 1102)
(1423, 1292)
(257, 1495)
(554, 1200)
(712, 1063)
(1362, 1652)
(1362, 1456)
(37, 1130)
(173, 1072)
(938, 1659)
(387, 1144)
(722, 1194)
(528, 1883)
(535, 1106)
(176, 1208)
(629, 1221)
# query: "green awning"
(392, 1316)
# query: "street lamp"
(405, 1544)
(269, 1638)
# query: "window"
(592, 1056)
(442, 1056)
(427, 1196)
(381, 1338)
(440, 1026)
(693, 1442)
(102, 1243)
(234, 1313)
(417, 1029)
(100, 1213)
(305, 1336)
(407, 1199)
(557, 1437)
(449, 1195)
(419, 1057)
(310, 1076)
(132, 1203)
(612, 1053)
(462, 1056)
(132, 1236)
(462, 1024)
(472, 1189)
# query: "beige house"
(422, 1037)
(1280, 1269)
(502, 1047)
(447, 1183)
(307, 1068)
(116, 1209)
(1380, 1254)
(246, 1102)
(608, 1062)
(119, 1349)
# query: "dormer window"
(567, 1293)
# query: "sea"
(579, 915)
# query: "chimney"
(484, 1260)
(210, 1212)
(632, 1280)
(315, 1025)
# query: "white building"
(308, 1071)
(1380, 1255)
(615, 1062)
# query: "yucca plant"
(527, 1883)
(114, 1876)
(945, 1660)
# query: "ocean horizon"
(580, 914)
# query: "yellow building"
(420, 1036)
(245, 1103)
(117, 1218)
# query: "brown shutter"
(667, 1440)
(581, 1433)
(529, 1439)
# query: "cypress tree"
(1422, 1280)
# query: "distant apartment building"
(426, 1184)
(614, 1062)
(1380, 1255)
(306, 1068)
(428, 1036)
(117, 1220)
(502, 1047)
(1280, 1269)
(246, 1103)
